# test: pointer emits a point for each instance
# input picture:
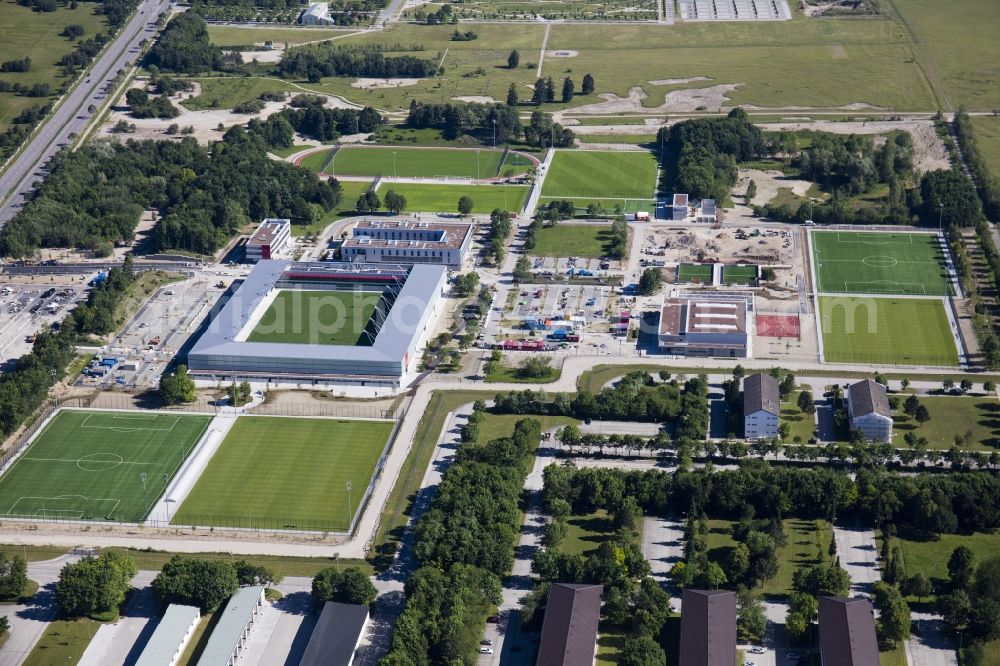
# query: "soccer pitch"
(865, 262)
(286, 473)
(88, 465)
(444, 198)
(738, 274)
(886, 331)
(418, 162)
(701, 273)
(604, 175)
(317, 318)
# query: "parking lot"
(26, 309)
(551, 267)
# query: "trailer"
(523, 345)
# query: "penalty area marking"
(128, 429)
(45, 511)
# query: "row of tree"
(988, 183)
(472, 118)
(314, 61)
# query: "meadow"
(417, 162)
(444, 198)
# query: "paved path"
(122, 642)
(541, 55)
(663, 547)
(932, 646)
(858, 556)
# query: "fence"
(14, 448)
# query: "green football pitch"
(444, 198)
(286, 473)
(886, 331)
(417, 162)
(604, 175)
(865, 262)
(738, 274)
(89, 465)
(701, 273)
(317, 318)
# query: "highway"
(72, 115)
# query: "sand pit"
(475, 99)
(768, 184)
(711, 98)
(375, 84)
(269, 55)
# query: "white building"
(707, 211)
(318, 13)
(405, 242)
(679, 207)
(761, 407)
(270, 240)
(868, 407)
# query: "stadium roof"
(399, 328)
(867, 397)
(236, 615)
(169, 635)
(847, 632)
(336, 635)
(569, 631)
(760, 394)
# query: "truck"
(523, 345)
(99, 279)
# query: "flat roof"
(697, 314)
(680, 200)
(236, 614)
(448, 236)
(268, 229)
(336, 634)
(398, 330)
(168, 636)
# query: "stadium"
(321, 323)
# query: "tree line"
(478, 120)
(314, 61)
(464, 544)
(987, 183)
(184, 46)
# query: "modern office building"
(408, 242)
(171, 636)
(269, 240)
(705, 325)
(231, 632)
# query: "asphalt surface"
(72, 115)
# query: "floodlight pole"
(477, 164)
(940, 218)
(494, 133)
(145, 495)
(348, 485)
(394, 175)
(166, 479)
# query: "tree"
(751, 190)
(248, 573)
(965, 385)
(904, 383)
(588, 84)
(628, 514)
(466, 284)
(95, 584)
(550, 90)
(195, 582)
(512, 100)
(522, 269)
(642, 651)
(948, 384)
(956, 609)
(802, 609)
(650, 282)
(177, 387)
(750, 619)
(350, 586)
(989, 386)
(513, 60)
(805, 402)
(569, 436)
(893, 623)
(394, 203)
(961, 567)
(4, 626)
(910, 404)
(465, 205)
(136, 97)
(13, 576)
(922, 415)
(567, 90)
(918, 585)
(822, 580)
(786, 386)
(368, 203)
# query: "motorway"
(72, 115)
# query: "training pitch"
(287, 473)
(865, 262)
(603, 175)
(89, 465)
(418, 162)
(317, 318)
(700, 273)
(739, 274)
(886, 331)
(444, 198)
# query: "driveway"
(286, 626)
(930, 644)
(858, 556)
(663, 547)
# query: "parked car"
(485, 650)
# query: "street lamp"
(166, 479)
(394, 164)
(494, 133)
(940, 217)
(477, 164)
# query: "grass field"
(801, 425)
(317, 317)
(417, 162)
(879, 263)
(738, 274)
(85, 465)
(602, 174)
(27, 33)
(572, 240)
(951, 416)
(444, 198)
(226, 92)
(63, 642)
(286, 473)
(886, 331)
(225, 35)
(701, 273)
(987, 133)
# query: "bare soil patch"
(376, 84)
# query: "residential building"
(228, 639)
(847, 632)
(708, 628)
(868, 407)
(171, 636)
(269, 240)
(679, 207)
(761, 406)
(709, 325)
(334, 640)
(569, 631)
(318, 13)
(707, 211)
(407, 242)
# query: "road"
(72, 116)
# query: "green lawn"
(226, 92)
(502, 425)
(587, 533)
(738, 274)
(632, 139)
(886, 331)
(285, 152)
(286, 473)
(63, 642)
(954, 415)
(879, 263)
(931, 557)
(225, 35)
(601, 174)
(444, 198)
(27, 33)
(701, 273)
(987, 133)
(510, 374)
(318, 317)
(85, 465)
(418, 162)
(572, 240)
(801, 424)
